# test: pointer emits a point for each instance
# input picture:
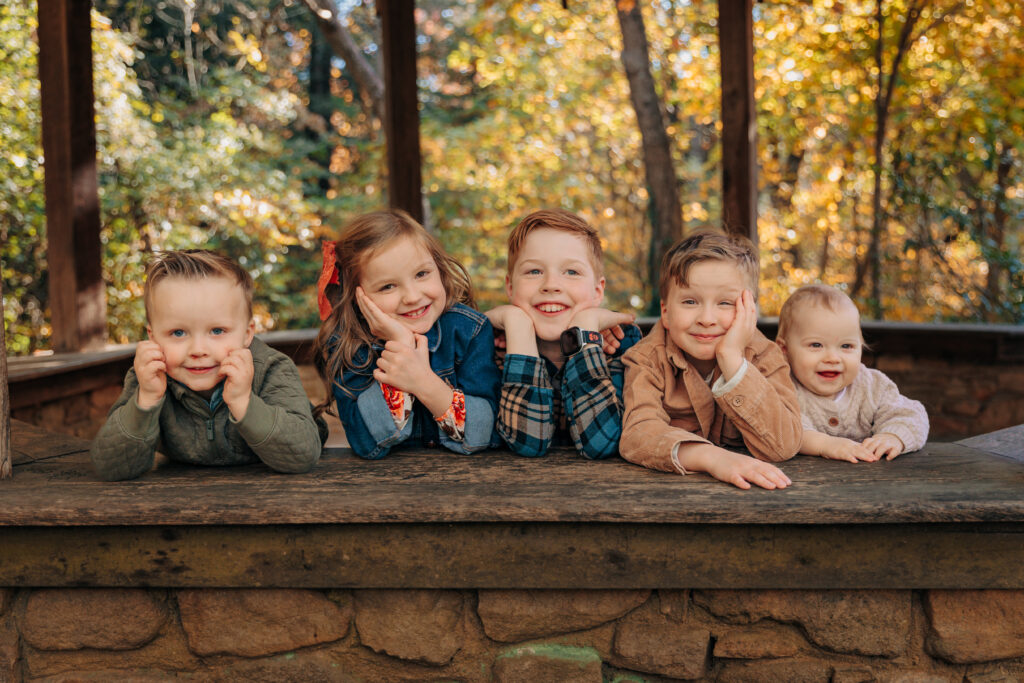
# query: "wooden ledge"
(949, 516)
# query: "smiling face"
(403, 280)
(197, 323)
(552, 279)
(824, 347)
(698, 314)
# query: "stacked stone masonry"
(77, 634)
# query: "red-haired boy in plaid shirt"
(561, 381)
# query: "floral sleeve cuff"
(399, 404)
(453, 421)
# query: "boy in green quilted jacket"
(203, 389)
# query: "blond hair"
(707, 245)
(563, 221)
(195, 264)
(345, 331)
(811, 295)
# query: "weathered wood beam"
(401, 104)
(74, 253)
(739, 125)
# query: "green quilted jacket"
(278, 428)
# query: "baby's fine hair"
(556, 219)
(707, 245)
(195, 264)
(811, 295)
(345, 330)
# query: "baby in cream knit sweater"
(850, 411)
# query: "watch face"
(573, 339)
(570, 341)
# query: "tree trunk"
(342, 44)
(5, 401)
(666, 213)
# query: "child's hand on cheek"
(382, 325)
(237, 371)
(730, 350)
(513, 330)
(151, 371)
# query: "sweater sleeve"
(648, 436)
(764, 408)
(896, 414)
(278, 424)
(125, 446)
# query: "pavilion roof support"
(402, 116)
(77, 293)
(739, 123)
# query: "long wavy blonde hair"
(345, 331)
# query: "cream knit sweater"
(871, 405)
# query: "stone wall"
(80, 634)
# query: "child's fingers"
(738, 481)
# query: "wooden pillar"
(77, 293)
(739, 125)
(401, 104)
(6, 457)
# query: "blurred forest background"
(890, 142)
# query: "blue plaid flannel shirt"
(543, 406)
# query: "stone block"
(894, 364)
(516, 615)
(941, 425)
(308, 665)
(674, 604)
(853, 674)
(919, 676)
(759, 642)
(987, 673)
(416, 625)
(166, 655)
(259, 621)
(545, 662)
(6, 598)
(970, 626)
(865, 622)
(51, 415)
(102, 618)
(788, 670)
(649, 641)
(8, 649)
(966, 407)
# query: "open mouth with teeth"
(418, 313)
(551, 309)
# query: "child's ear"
(250, 333)
(600, 290)
(508, 286)
(149, 332)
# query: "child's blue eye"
(727, 303)
(385, 288)
(849, 346)
(218, 331)
(533, 271)
(688, 302)
(423, 273)
(815, 345)
(177, 333)
(572, 271)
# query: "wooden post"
(74, 252)
(739, 125)
(401, 105)
(5, 399)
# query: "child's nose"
(550, 283)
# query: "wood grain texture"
(942, 483)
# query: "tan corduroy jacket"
(668, 402)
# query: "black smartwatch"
(573, 339)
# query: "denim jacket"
(461, 345)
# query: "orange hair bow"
(328, 276)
